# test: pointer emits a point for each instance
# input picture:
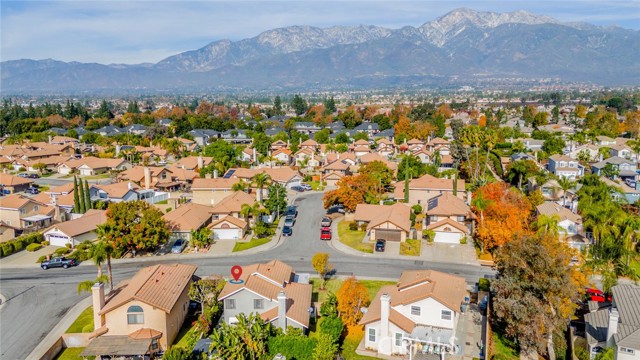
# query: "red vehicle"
(597, 295)
(325, 234)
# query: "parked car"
(289, 220)
(306, 186)
(287, 231)
(596, 295)
(326, 222)
(380, 244)
(178, 246)
(58, 262)
(33, 191)
(34, 176)
(292, 210)
(325, 234)
(297, 188)
(23, 175)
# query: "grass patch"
(163, 202)
(72, 354)
(84, 322)
(503, 348)
(353, 239)
(351, 342)
(186, 336)
(315, 185)
(333, 285)
(96, 177)
(411, 247)
(242, 246)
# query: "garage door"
(447, 238)
(389, 235)
(57, 240)
(225, 234)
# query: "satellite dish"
(364, 310)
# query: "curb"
(60, 328)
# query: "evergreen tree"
(330, 105)
(76, 196)
(299, 105)
(277, 105)
(87, 196)
(81, 208)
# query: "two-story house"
(142, 317)
(449, 217)
(273, 291)
(426, 187)
(626, 169)
(211, 191)
(24, 213)
(616, 326)
(421, 311)
(569, 224)
(564, 166)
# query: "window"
(135, 315)
(398, 339)
(433, 218)
(230, 304)
(461, 218)
(445, 315)
(36, 208)
(415, 310)
(258, 303)
(626, 350)
(372, 335)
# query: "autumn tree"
(537, 290)
(632, 123)
(506, 215)
(353, 190)
(320, 263)
(134, 225)
(380, 172)
(352, 297)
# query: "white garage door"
(226, 234)
(57, 240)
(447, 238)
(86, 172)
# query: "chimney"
(255, 156)
(147, 178)
(338, 156)
(612, 329)
(385, 306)
(117, 150)
(130, 185)
(282, 311)
(97, 294)
(299, 141)
(215, 173)
(288, 143)
(200, 162)
(50, 139)
(469, 198)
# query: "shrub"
(61, 251)
(331, 326)
(463, 240)
(429, 235)
(7, 249)
(363, 227)
(68, 245)
(45, 243)
(17, 245)
(353, 226)
(484, 285)
(417, 209)
(33, 247)
(293, 345)
(42, 258)
(79, 255)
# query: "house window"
(36, 208)
(372, 335)
(415, 310)
(445, 315)
(23, 211)
(230, 304)
(460, 218)
(433, 218)
(135, 315)
(626, 350)
(398, 339)
(258, 304)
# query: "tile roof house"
(10, 184)
(282, 175)
(569, 223)
(422, 309)
(187, 217)
(426, 187)
(25, 213)
(449, 217)
(617, 325)
(74, 232)
(194, 162)
(270, 290)
(565, 166)
(232, 204)
(211, 191)
(388, 222)
(228, 228)
(144, 316)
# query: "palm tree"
(490, 139)
(548, 225)
(629, 235)
(97, 252)
(565, 184)
(103, 249)
(518, 169)
(88, 284)
(245, 211)
(261, 179)
(239, 186)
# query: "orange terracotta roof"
(15, 201)
(84, 224)
(145, 333)
(449, 222)
(191, 162)
(231, 219)
(187, 217)
(159, 286)
(10, 180)
(210, 184)
(448, 204)
(397, 214)
(117, 190)
(233, 203)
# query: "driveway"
(25, 258)
(451, 253)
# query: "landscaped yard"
(635, 265)
(315, 185)
(84, 322)
(503, 349)
(410, 247)
(72, 354)
(353, 238)
(242, 246)
(186, 338)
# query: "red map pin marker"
(236, 272)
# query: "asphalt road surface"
(36, 299)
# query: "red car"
(325, 234)
(596, 295)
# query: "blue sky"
(136, 31)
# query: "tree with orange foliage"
(444, 110)
(354, 190)
(482, 120)
(352, 297)
(421, 130)
(402, 125)
(505, 215)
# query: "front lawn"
(242, 246)
(410, 247)
(353, 238)
(316, 185)
(72, 354)
(333, 285)
(84, 322)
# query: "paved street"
(37, 299)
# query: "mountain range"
(463, 45)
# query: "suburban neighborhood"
(323, 230)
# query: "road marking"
(18, 294)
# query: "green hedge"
(34, 247)
(292, 346)
(20, 243)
